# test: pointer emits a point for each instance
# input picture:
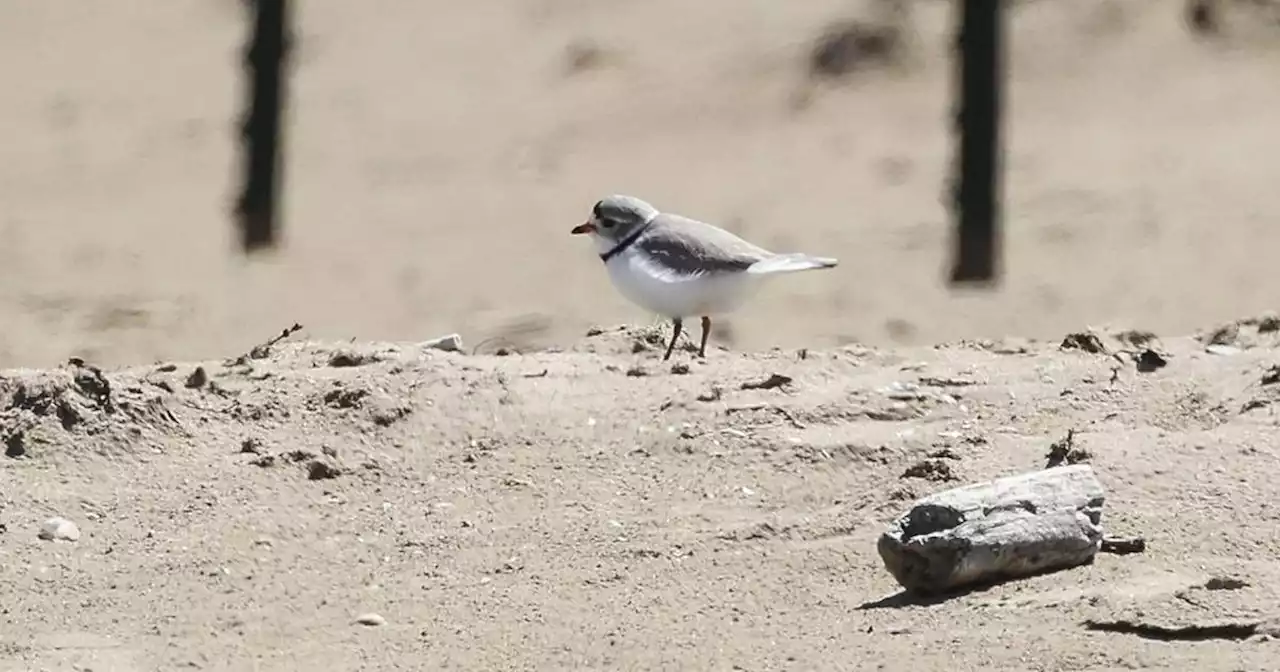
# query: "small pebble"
(59, 529)
(371, 620)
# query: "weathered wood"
(987, 532)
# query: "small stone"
(372, 620)
(59, 529)
(319, 470)
(1149, 360)
(197, 379)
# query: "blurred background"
(437, 154)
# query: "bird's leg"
(706, 331)
(679, 324)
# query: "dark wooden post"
(264, 63)
(979, 49)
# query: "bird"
(679, 267)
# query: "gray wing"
(684, 247)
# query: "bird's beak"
(585, 227)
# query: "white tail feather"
(788, 263)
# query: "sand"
(551, 500)
(599, 509)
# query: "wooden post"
(977, 239)
(264, 64)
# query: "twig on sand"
(775, 380)
(263, 350)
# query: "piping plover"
(679, 267)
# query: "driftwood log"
(988, 532)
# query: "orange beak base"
(585, 227)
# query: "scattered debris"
(714, 394)
(1087, 341)
(775, 380)
(342, 397)
(263, 461)
(350, 357)
(1066, 452)
(92, 382)
(637, 371)
(1123, 545)
(1003, 346)
(934, 470)
(251, 446)
(320, 470)
(679, 368)
(1272, 376)
(59, 529)
(385, 411)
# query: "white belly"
(672, 297)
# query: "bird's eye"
(606, 223)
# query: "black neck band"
(624, 244)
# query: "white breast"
(654, 288)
